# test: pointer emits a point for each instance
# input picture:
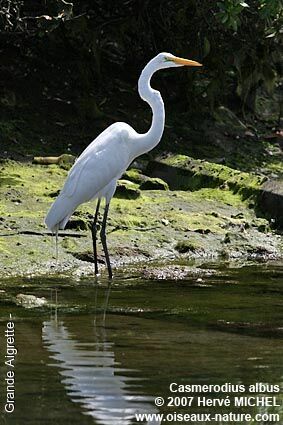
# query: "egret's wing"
(103, 160)
(73, 178)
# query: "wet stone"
(30, 301)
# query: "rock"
(66, 161)
(87, 256)
(127, 190)
(271, 201)
(54, 194)
(175, 272)
(134, 175)
(187, 246)
(154, 183)
(30, 301)
(77, 224)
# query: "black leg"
(103, 240)
(94, 237)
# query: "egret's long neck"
(150, 139)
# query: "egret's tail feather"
(59, 213)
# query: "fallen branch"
(65, 160)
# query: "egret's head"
(167, 60)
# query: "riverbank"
(145, 224)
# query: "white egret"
(95, 173)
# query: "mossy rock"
(30, 301)
(134, 175)
(187, 246)
(66, 161)
(184, 173)
(154, 183)
(127, 190)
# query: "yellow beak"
(185, 62)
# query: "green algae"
(33, 185)
(201, 222)
(37, 180)
(8, 181)
(223, 195)
(4, 247)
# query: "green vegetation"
(231, 29)
(71, 68)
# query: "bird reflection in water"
(92, 376)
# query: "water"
(71, 369)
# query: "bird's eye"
(166, 59)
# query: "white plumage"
(95, 173)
